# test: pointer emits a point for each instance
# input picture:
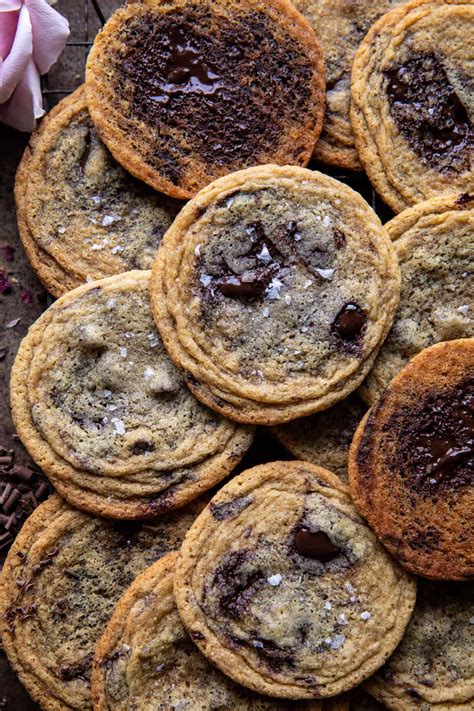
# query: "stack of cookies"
(166, 572)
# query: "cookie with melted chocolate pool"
(273, 290)
(145, 659)
(185, 91)
(283, 586)
(411, 463)
(59, 586)
(80, 214)
(412, 101)
(106, 414)
(434, 242)
(432, 667)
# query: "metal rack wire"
(51, 93)
(357, 181)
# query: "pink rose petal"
(26, 104)
(32, 36)
(16, 62)
(8, 25)
(50, 32)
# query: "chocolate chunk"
(229, 509)
(141, 446)
(233, 287)
(349, 322)
(237, 581)
(86, 152)
(315, 545)
(429, 113)
(186, 70)
(464, 199)
(254, 282)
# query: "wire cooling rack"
(94, 15)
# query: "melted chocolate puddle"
(186, 71)
(435, 448)
(429, 113)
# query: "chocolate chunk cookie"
(434, 242)
(432, 668)
(325, 437)
(340, 26)
(105, 413)
(412, 103)
(58, 588)
(411, 463)
(80, 208)
(186, 91)
(273, 290)
(282, 585)
(145, 659)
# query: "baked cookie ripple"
(59, 586)
(434, 242)
(185, 91)
(146, 660)
(411, 461)
(433, 666)
(412, 101)
(284, 587)
(106, 414)
(273, 290)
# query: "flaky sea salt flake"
(274, 580)
(205, 279)
(119, 426)
(325, 273)
(337, 641)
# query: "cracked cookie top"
(106, 413)
(273, 290)
(286, 589)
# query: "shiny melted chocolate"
(221, 86)
(429, 113)
(437, 441)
